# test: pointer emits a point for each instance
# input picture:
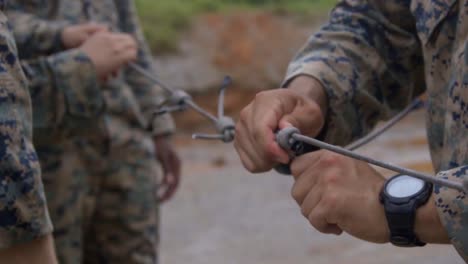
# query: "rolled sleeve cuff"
(55, 36)
(162, 125)
(75, 75)
(337, 128)
(452, 207)
(14, 236)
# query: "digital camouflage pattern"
(66, 95)
(373, 57)
(103, 202)
(131, 95)
(23, 209)
(101, 182)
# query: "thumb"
(306, 116)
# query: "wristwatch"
(401, 196)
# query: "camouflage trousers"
(102, 197)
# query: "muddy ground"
(222, 214)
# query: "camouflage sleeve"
(64, 89)
(29, 28)
(452, 207)
(23, 209)
(369, 60)
(149, 95)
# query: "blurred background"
(222, 214)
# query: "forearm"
(345, 58)
(428, 226)
(38, 251)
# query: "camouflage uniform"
(373, 57)
(23, 209)
(101, 183)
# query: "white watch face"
(404, 186)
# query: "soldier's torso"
(442, 27)
(22, 201)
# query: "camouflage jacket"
(131, 96)
(373, 57)
(65, 94)
(23, 210)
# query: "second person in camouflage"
(103, 175)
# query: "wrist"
(63, 33)
(311, 88)
(428, 226)
(59, 39)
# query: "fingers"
(269, 111)
(125, 47)
(307, 117)
(255, 131)
(318, 219)
(171, 165)
(263, 123)
(304, 184)
(252, 157)
(318, 206)
(123, 40)
(309, 200)
(168, 188)
(175, 164)
(92, 28)
(302, 163)
(315, 206)
(318, 203)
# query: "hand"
(74, 36)
(171, 168)
(302, 105)
(110, 51)
(339, 194)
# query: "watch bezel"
(403, 200)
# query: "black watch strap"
(401, 216)
(401, 224)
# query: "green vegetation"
(164, 20)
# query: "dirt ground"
(222, 214)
